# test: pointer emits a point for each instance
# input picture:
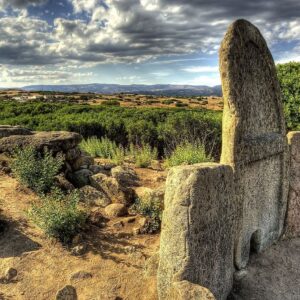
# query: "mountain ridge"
(156, 89)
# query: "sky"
(132, 41)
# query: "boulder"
(67, 293)
(147, 194)
(8, 130)
(10, 274)
(125, 176)
(92, 196)
(80, 178)
(114, 190)
(73, 153)
(64, 183)
(185, 290)
(57, 141)
(96, 169)
(96, 218)
(82, 162)
(115, 210)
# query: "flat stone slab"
(54, 140)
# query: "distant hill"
(157, 89)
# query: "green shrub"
(36, 170)
(289, 79)
(111, 103)
(58, 215)
(151, 208)
(102, 147)
(159, 127)
(118, 156)
(142, 155)
(187, 154)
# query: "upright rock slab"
(253, 138)
(196, 243)
(292, 229)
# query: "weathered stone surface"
(7, 130)
(115, 210)
(73, 153)
(114, 190)
(81, 161)
(80, 178)
(253, 138)
(145, 193)
(92, 196)
(185, 290)
(55, 140)
(197, 239)
(64, 183)
(125, 176)
(292, 228)
(96, 169)
(67, 293)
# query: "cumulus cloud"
(31, 75)
(118, 31)
(19, 3)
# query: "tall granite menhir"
(253, 138)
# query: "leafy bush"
(289, 79)
(151, 208)
(102, 147)
(58, 215)
(142, 155)
(36, 170)
(188, 154)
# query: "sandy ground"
(116, 261)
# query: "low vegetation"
(289, 79)
(58, 215)
(151, 208)
(35, 170)
(188, 153)
(142, 155)
(102, 147)
(162, 128)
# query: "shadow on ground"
(13, 242)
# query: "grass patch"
(142, 155)
(188, 154)
(102, 147)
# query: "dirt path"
(116, 263)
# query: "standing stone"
(253, 138)
(196, 242)
(292, 229)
